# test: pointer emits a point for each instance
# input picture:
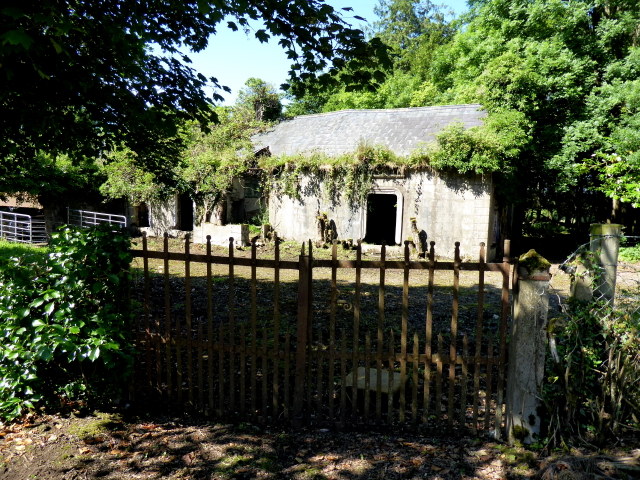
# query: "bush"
(593, 392)
(64, 321)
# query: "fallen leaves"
(141, 450)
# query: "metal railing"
(18, 227)
(86, 218)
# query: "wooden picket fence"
(257, 348)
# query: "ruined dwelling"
(401, 203)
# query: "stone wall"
(220, 234)
(163, 217)
(448, 208)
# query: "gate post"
(605, 244)
(527, 348)
(595, 275)
(304, 315)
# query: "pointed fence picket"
(253, 355)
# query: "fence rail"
(319, 349)
(22, 228)
(86, 218)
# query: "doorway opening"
(142, 213)
(185, 212)
(382, 219)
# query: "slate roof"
(402, 130)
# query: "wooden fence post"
(304, 312)
(527, 348)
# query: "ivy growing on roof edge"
(481, 150)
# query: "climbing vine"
(348, 176)
(213, 160)
(478, 150)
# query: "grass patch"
(100, 424)
(630, 254)
(10, 249)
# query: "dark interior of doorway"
(382, 209)
(185, 213)
(143, 215)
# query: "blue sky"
(233, 57)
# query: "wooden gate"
(324, 341)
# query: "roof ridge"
(387, 110)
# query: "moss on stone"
(532, 261)
(519, 432)
(605, 229)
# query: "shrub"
(593, 393)
(64, 322)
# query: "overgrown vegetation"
(350, 174)
(592, 392)
(9, 250)
(64, 320)
(630, 252)
(478, 150)
(562, 77)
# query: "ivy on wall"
(479, 150)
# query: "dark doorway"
(185, 213)
(382, 209)
(143, 215)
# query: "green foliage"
(126, 179)
(210, 160)
(489, 148)
(64, 322)
(214, 159)
(629, 253)
(592, 392)
(555, 63)
(259, 101)
(9, 250)
(52, 179)
(101, 75)
(413, 29)
(348, 176)
(478, 150)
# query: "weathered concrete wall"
(448, 208)
(220, 234)
(163, 217)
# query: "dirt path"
(105, 446)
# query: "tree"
(80, 77)
(259, 101)
(412, 29)
(210, 161)
(568, 68)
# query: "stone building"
(445, 207)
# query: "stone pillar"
(527, 348)
(605, 245)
